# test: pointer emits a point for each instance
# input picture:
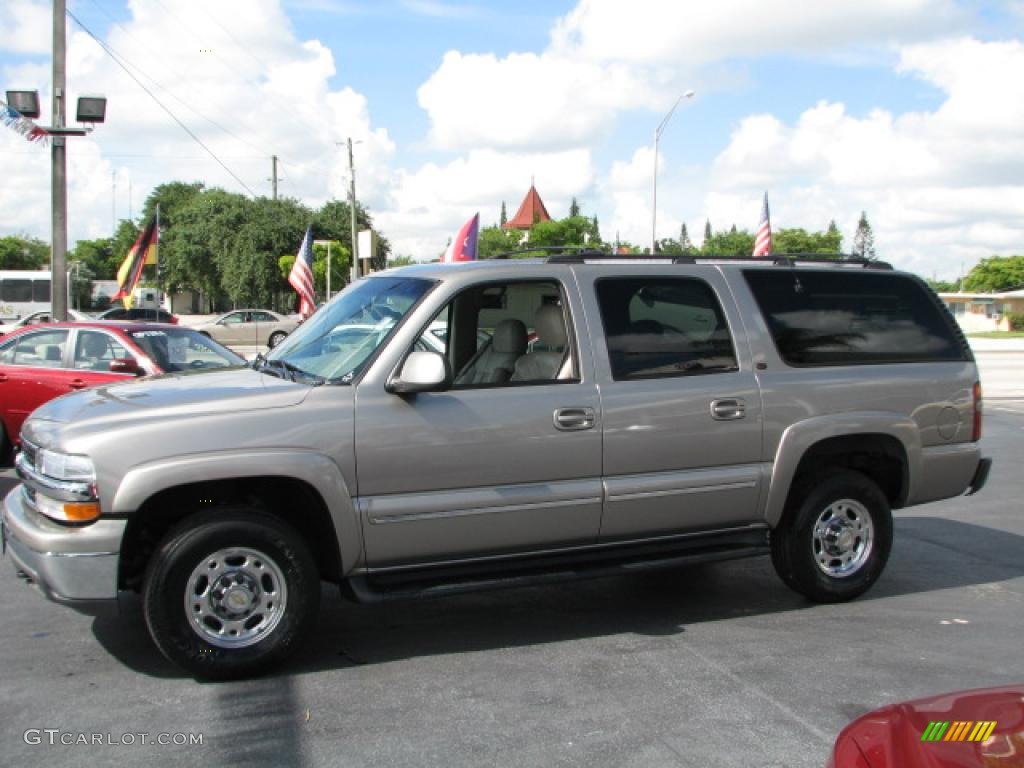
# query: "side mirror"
(125, 365)
(422, 372)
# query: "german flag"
(141, 254)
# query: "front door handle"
(574, 419)
(78, 384)
(728, 409)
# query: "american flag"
(763, 240)
(301, 277)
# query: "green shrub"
(1016, 320)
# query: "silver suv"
(577, 416)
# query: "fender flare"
(800, 437)
(143, 482)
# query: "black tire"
(276, 338)
(6, 449)
(258, 558)
(834, 543)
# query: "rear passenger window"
(663, 326)
(852, 318)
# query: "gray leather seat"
(544, 365)
(496, 360)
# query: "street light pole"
(654, 188)
(352, 208)
(58, 173)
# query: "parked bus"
(23, 292)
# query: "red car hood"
(891, 737)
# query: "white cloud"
(607, 57)
(27, 26)
(697, 33)
(429, 204)
(939, 187)
(267, 91)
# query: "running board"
(438, 581)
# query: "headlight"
(63, 466)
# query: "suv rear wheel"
(834, 545)
(230, 594)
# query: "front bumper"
(74, 566)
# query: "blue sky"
(906, 109)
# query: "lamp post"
(654, 188)
(91, 109)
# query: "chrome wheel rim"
(235, 597)
(843, 538)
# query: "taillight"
(976, 432)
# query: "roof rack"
(787, 260)
(578, 254)
(792, 259)
(558, 251)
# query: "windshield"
(337, 342)
(181, 349)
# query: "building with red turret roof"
(530, 212)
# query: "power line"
(162, 87)
(174, 117)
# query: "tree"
(798, 241)
(81, 284)
(574, 209)
(18, 252)
(685, 244)
(494, 240)
(943, 286)
(401, 261)
(997, 273)
(708, 234)
(595, 232)
(864, 239)
(504, 215)
(739, 243)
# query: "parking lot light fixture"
(654, 196)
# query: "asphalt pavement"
(717, 665)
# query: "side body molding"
(799, 437)
(323, 475)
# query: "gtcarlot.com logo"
(55, 736)
(959, 730)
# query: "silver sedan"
(253, 327)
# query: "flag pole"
(156, 244)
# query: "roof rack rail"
(791, 260)
(556, 250)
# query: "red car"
(984, 727)
(41, 362)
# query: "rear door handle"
(78, 384)
(574, 419)
(728, 409)
(3, 378)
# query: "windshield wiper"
(293, 370)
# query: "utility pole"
(273, 160)
(58, 172)
(352, 207)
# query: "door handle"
(728, 409)
(3, 378)
(78, 384)
(574, 419)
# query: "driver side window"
(504, 334)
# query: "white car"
(42, 316)
(254, 327)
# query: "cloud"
(607, 57)
(27, 27)
(939, 187)
(429, 204)
(236, 74)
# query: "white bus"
(23, 292)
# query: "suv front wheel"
(834, 545)
(230, 593)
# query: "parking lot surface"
(717, 665)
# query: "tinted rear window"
(846, 318)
